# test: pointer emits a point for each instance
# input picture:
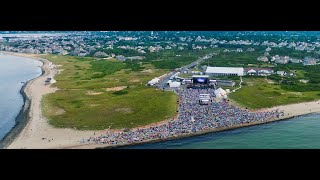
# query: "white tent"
(251, 71)
(175, 84)
(154, 81)
(220, 93)
(53, 81)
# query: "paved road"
(163, 84)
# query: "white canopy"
(252, 71)
(154, 81)
(175, 84)
(220, 93)
(225, 70)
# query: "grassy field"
(234, 59)
(259, 93)
(96, 95)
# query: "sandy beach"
(38, 134)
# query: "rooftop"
(226, 70)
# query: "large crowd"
(192, 118)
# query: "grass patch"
(122, 92)
(252, 96)
(135, 106)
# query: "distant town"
(124, 87)
(115, 44)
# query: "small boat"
(22, 82)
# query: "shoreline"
(105, 146)
(23, 117)
(37, 133)
(203, 132)
(33, 126)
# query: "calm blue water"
(13, 71)
(297, 133)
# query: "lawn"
(258, 93)
(88, 98)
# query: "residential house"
(239, 50)
(281, 59)
(136, 58)
(293, 60)
(263, 59)
(251, 72)
(120, 58)
(281, 73)
(168, 47)
(250, 50)
(309, 61)
(268, 49)
(226, 50)
(300, 48)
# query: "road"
(163, 84)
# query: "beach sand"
(38, 128)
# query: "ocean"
(13, 71)
(296, 133)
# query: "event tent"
(175, 84)
(220, 93)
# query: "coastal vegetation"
(257, 93)
(100, 94)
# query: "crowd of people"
(192, 118)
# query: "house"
(152, 49)
(263, 59)
(136, 57)
(259, 71)
(265, 72)
(168, 47)
(226, 50)
(300, 48)
(274, 58)
(281, 73)
(120, 58)
(251, 72)
(239, 50)
(282, 60)
(141, 51)
(309, 61)
(292, 60)
(250, 50)
(100, 54)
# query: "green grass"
(257, 93)
(233, 59)
(84, 103)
